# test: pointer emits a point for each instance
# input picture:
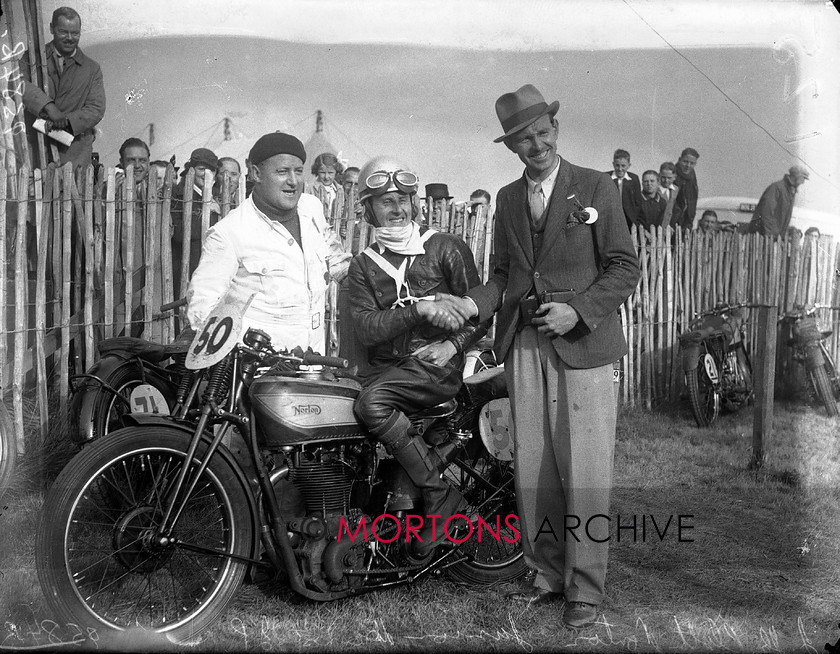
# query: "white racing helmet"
(382, 175)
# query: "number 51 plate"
(219, 333)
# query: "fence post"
(765, 372)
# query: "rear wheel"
(101, 562)
(820, 370)
(102, 410)
(704, 397)
(487, 486)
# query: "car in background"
(739, 211)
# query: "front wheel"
(8, 449)
(818, 368)
(704, 397)
(103, 565)
(487, 486)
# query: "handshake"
(447, 311)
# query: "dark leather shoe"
(535, 595)
(579, 615)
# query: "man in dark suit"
(562, 248)
(628, 185)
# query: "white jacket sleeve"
(211, 280)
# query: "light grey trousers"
(564, 423)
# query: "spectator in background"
(439, 195)
(136, 153)
(478, 198)
(775, 208)
(708, 221)
(230, 167)
(350, 186)
(160, 167)
(201, 160)
(77, 100)
(652, 207)
(685, 207)
(325, 168)
(629, 187)
(668, 191)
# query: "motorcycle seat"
(134, 347)
(438, 411)
(181, 344)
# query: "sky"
(736, 81)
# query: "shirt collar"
(547, 184)
(623, 179)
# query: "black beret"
(276, 143)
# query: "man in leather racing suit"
(414, 362)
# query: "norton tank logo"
(306, 409)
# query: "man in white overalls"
(277, 245)
(414, 362)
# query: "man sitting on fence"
(412, 362)
(77, 100)
(276, 244)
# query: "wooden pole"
(128, 256)
(42, 227)
(110, 229)
(186, 225)
(151, 261)
(4, 251)
(21, 310)
(765, 372)
(89, 269)
(167, 291)
(66, 239)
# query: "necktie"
(60, 61)
(537, 206)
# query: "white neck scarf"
(402, 240)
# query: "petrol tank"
(298, 411)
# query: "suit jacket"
(598, 261)
(631, 197)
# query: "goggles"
(379, 182)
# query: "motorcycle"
(158, 525)
(715, 363)
(809, 350)
(132, 375)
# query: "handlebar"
(173, 305)
(807, 310)
(313, 359)
(723, 308)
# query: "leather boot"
(439, 498)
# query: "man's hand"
(555, 318)
(437, 353)
(52, 113)
(446, 311)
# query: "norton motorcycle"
(717, 368)
(270, 475)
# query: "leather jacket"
(391, 332)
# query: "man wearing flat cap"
(564, 265)
(276, 244)
(201, 161)
(775, 208)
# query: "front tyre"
(99, 561)
(703, 396)
(818, 378)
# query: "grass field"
(761, 571)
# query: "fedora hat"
(437, 192)
(519, 109)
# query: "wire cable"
(727, 96)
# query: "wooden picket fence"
(82, 256)
(685, 272)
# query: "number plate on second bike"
(145, 398)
